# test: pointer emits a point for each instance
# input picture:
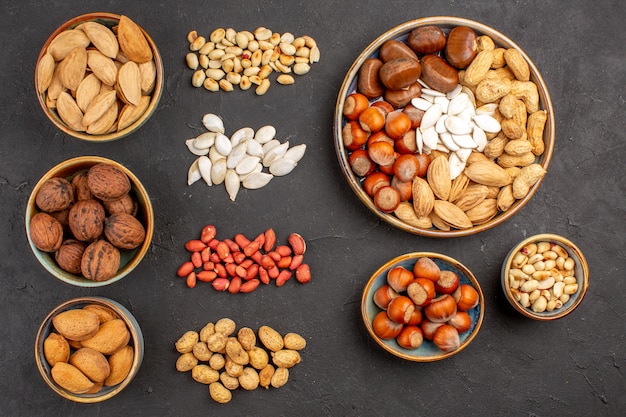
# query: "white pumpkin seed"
(218, 171)
(214, 155)
(487, 108)
(487, 123)
(223, 145)
(458, 103)
(421, 103)
(205, 140)
(430, 137)
(431, 116)
(295, 153)
(464, 141)
(257, 180)
(247, 164)
(419, 141)
(448, 142)
(204, 166)
(275, 153)
(236, 155)
(265, 134)
(232, 183)
(480, 138)
(456, 165)
(241, 134)
(431, 92)
(457, 126)
(193, 174)
(282, 166)
(269, 145)
(443, 102)
(254, 148)
(454, 93)
(213, 123)
(192, 148)
(440, 126)
(463, 154)
(257, 168)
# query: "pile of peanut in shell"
(226, 359)
(230, 58)
(429, 161)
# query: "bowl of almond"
(444, 127)
(99, 77)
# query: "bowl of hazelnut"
(444, 127)
(423, 306)
(89, 349)
(545, 277)
(99, 77)
(89, 221)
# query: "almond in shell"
(74, 67)
(483, 212)
(88, 88)
(459, 185)
(406, 213)
(120, 363)
(98, 107)
(473, 196)
(45, 71)
(488, 173)
(423, 197)
(132, 41)
(129, 83)
(439, 178)
(102, 66)
(65, 41)
(106, 122)
(505, 198)
(131, 113)
(438, 222)
(148, 76)
(69, 112)
(110, 337)
(102, 38)
(71, 378)
(452, 214)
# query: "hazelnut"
(125, 204)
(86, 220)
(55, 194)
(100, 261)
(81, 189)
(124, 231)
(107, 182)
(46, 232)
(69, 255)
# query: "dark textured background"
(514, 367)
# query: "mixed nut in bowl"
(545, 277)
(444, 127)
(99, 77)
(89, 221)
(423, 306)
(89, 349)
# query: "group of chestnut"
(424, 303)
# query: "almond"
(98, 107)
(69, 112)
(423, 197)
(106, 122)
(483, 212)
(74, 66)
(473, 195)
(45, 71)
(459, 185)
(505, 198)
(129, 83)
(148, 76)
(451, 214)
(88, 88)
(132, 41)
(406, 213)
(130, 113)
(102, 38)
(65, 41)
(102, 66)
(438, 176)
(488, 173)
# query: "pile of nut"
(226, 361)
(239, 265)
(444, 130)
(248, 158)
(230, 58)
(99, 79)
(87, 220)
(89, 349)
(542, 276)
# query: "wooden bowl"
(401, 32)
(109, 20)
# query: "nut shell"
(107, 182)
(124, 231)
(55, 194)
(100, 261)
(81, 189)
(124, 204)
(69, 255)
(46, 232)
(86, 220)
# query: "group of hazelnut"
(86, 220)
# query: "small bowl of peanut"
(444, 127)
(545, 277)
(99, 77)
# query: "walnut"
(69, 255)
(125, 204)
(62, 216)
(81, 189)
(124, 231)
(46, 232)
(87, 220)
(55, 194)
(100, 261)
(107, 182)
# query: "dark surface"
(514, 367)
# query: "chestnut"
(399, 73)
(461, 47)
(368, 81)
(438, 74)
(401, 98)
(393, 49)
(427, 39)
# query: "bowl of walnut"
(99, 77)
(89, 221)
(444, 127)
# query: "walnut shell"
(124, 231)
(107, 182)
(55, 194)
(69, 255)
(100, 261)
(46, 232)
(87, 220)
(125, 204)
(81, 188)
(62, 216)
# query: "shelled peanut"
(226, 359)
(542, 276)
(241, 264)
(419, 101)
(232, 58)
